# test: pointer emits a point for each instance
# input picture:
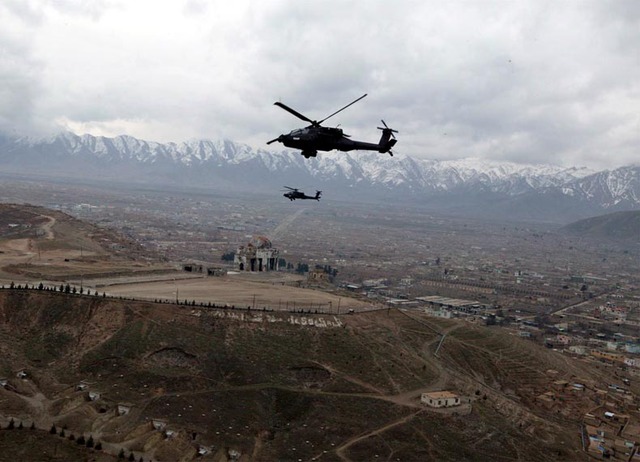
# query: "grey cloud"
(524, 81)
(19, 73)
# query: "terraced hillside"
(39, 244)
(162, 382)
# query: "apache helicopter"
(294, 194)
(316, 138)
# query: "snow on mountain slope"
(357, 169)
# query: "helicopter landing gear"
(308, 154)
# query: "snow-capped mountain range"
(466, 186)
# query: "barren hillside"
(278, 385)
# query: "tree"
(121, 454)
(80, 440)
(98, 446)
(11, 425)
(90, 443)
(40, 286)
(228, 256)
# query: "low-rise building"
(438, 313)
(123, 408)
(440, 399)
(257, 255)
(578, 349)
(159, 424)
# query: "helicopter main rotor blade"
(292, 189)
(339, 110)
(294, 112)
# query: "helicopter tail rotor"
(388, 139)
(386, 129)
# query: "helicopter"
(315, 137)
(294, 194)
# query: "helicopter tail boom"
(386, 147)
(388, 139)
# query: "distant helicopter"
(294, 194)
(316, 138)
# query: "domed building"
(257, 255)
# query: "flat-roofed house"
(440, 399)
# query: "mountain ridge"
(471, 184)
(617, 225)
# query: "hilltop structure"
(257, 255)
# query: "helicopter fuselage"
(294, 194)
(311, 139)
(316, 138)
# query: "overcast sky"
(526, 81)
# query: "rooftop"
(440, 394)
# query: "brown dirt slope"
(39, 244)
(278, 386)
